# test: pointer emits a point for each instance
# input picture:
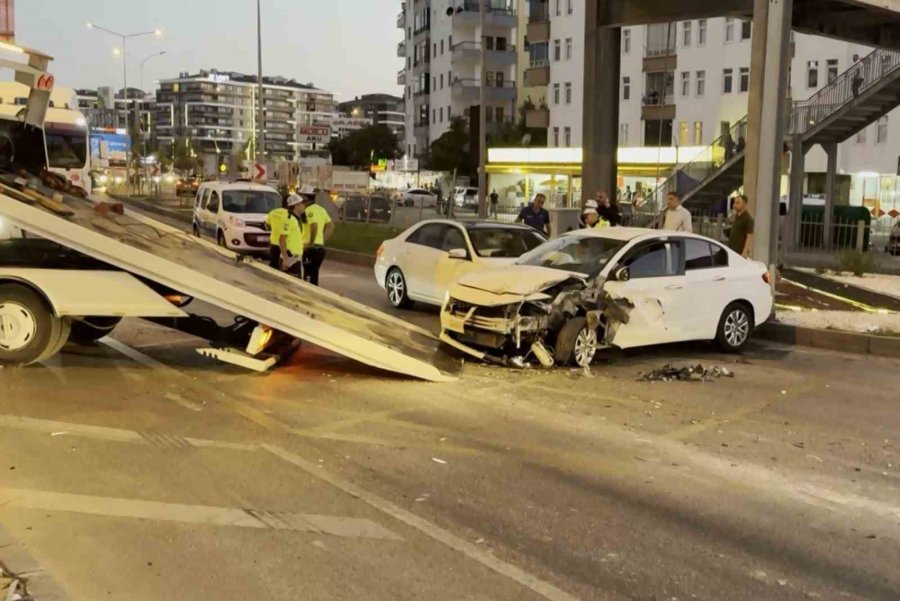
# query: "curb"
(149, 207)
(350, 258)
(833, 340)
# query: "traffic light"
(223, 164)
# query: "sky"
(345, 46)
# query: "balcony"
(498, 14)
(538, 74)
(401, 49)
(538, 118)
(471, 51)
(401, 20)
(401, 77)
(470, 90)
(658, 108)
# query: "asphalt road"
(136, 469)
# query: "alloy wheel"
(737, 328)
(396, 288)
(585, 347)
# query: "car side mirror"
(459, 253)
(622, 274)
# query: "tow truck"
(72, 266)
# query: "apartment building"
(377, 109)
(218, 111)
(685, 83)
(443, 53)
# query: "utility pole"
(482, 121)
(260, 146)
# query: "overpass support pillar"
(600, 133)
(791, 238)
(766, 117)
(831, 152)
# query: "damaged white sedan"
(618, 287)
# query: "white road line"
(194, 514)
(57, 428)
(470, 550)
(135, 355)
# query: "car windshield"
(250, 201)
(67, 150)
(504, 242)
(583, 254)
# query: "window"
(557, 50)
(449, 114)
(626, 41)
(556, 136)
(729, 30)
(861, 136)
(498, 114)
(568, 133)
(654, 260)
(701, 32)
(499, 79)
(434, 115)
(701, 83)
(489, 79)
(489, 114)
(685, 83)
(442, 47)
(489, 42)
(881, 133)
(812, 74)
(442, 81)
(556, 93)
(568, 49)
(623, 134)
(698, 133)
(697, 254)
(745, 79)
(213, 204)
(686, 34)
(569, 11)
(568, 92)
(746, 29)
(501, 43)
(434, 85)
(431, 235)
(832, 70)
(683, 134)
(558, 10)
(626, 88)
(434, 49)
(441, 114)
(726, 81)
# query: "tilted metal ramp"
(176, 259)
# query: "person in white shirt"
(676, 218)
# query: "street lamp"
(124, 37)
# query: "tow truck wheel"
(398, 294)
(576, 343)
(91, 329)
(29, 331)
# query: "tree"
(451, 151)
(363, 146)
(186, 156)
(518, 133)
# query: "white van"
(234, 215)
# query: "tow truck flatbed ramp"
(180, 261)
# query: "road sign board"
(314, 134)
(259, 172)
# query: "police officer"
(290, 240)
(316, 231)
(592, 219)
(275, 221)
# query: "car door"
(212, 213)
(707, 273)
(657, 289)
(450, 269)
(202, 211)
(420, 258)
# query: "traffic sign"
(261, 172)
(154, 171)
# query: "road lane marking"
(57, 428)
(470, 550)
(343, 527)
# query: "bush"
(856, 262)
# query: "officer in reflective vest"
(592, 219)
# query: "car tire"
(735, 327)
(29, 331)
(91, 329)
(196, 230)
(220, 239)
(576, 344)
(397, 291)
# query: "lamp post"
(260, 146)
(144, 62)
(124, 37)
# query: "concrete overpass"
(869, 22)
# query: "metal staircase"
(858, 97)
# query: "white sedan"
(421, 263)
(418, 198)
(621, 287)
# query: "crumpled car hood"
(518, 280)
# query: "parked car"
(187, 186)
(422, 262)
(419, 198)
(465, 198)
(621, 287)
(234, 215)
(893, 243)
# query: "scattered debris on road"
(441, 461)
(12, 587)
(695, 373)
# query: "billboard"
(116, 145)
(314, 134)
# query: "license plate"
(454, 323)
